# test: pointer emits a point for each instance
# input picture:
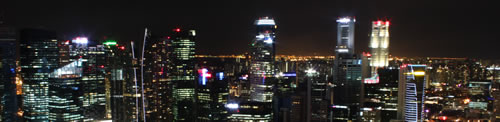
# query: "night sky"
(436, 28)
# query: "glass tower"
(412, 78)
(182, 46)
(262, 60)
(66, 93)
(345, 37)
(39, 57)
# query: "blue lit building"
(412, 78)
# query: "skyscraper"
(262, 60)
(157, 88)
(8, 97)
(66, 93)
(379, 44)
(182, 74)
(347, 73)
(345, 37)
(38, 57)
(412, 78)
(118, 81)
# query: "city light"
(203, 73)
(419, 73)
(232, 106)
(265, 22)
(268, 40)
(110, 42)
(80, 40)
(344, 20)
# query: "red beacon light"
(386, 22)
(178, 30)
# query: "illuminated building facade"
(157, 88)
(262, 60)
(249, 112)
(212, 94)
(380, 99)
(38, 58)
(8, 97)
(345, 37)
(379, 44)
(182, 74)
(93, 76)
(66, 93)
(347, 88)
(120, 101)
(412, 78)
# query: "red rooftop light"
(178, 30)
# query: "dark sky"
(450, 28)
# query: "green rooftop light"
(110, 42)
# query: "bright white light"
(260, 36)
(232, 106)
(265, 22)
(342, 50)
(310, 70)
(80, 40)
(344, 20)
(268, 40)
(339, 106)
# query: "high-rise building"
(157, 88)
(345, 37)
(118, 81)
(412, 78)
(380, 96)
(212, 92)
(262, 60)
(347, 88)
(39, 57)
(182, 74)
(379, 44)
(66, 93)
(8, 96)
(93, 76)
(347, 74)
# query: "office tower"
(283, 92)
(118, 81)
(8, 95)
(317, 105)
(262, 60)
(379, 44)
(380, 96)
(38, 58)
(182, 74)
(412, 78)
(212, 92)
(347, 74)
(157, 88)
(347, 88)
(249, 112)
(93, 76)
(66, 93)
(345, 37)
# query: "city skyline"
(313, 23)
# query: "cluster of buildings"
(161, 79)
